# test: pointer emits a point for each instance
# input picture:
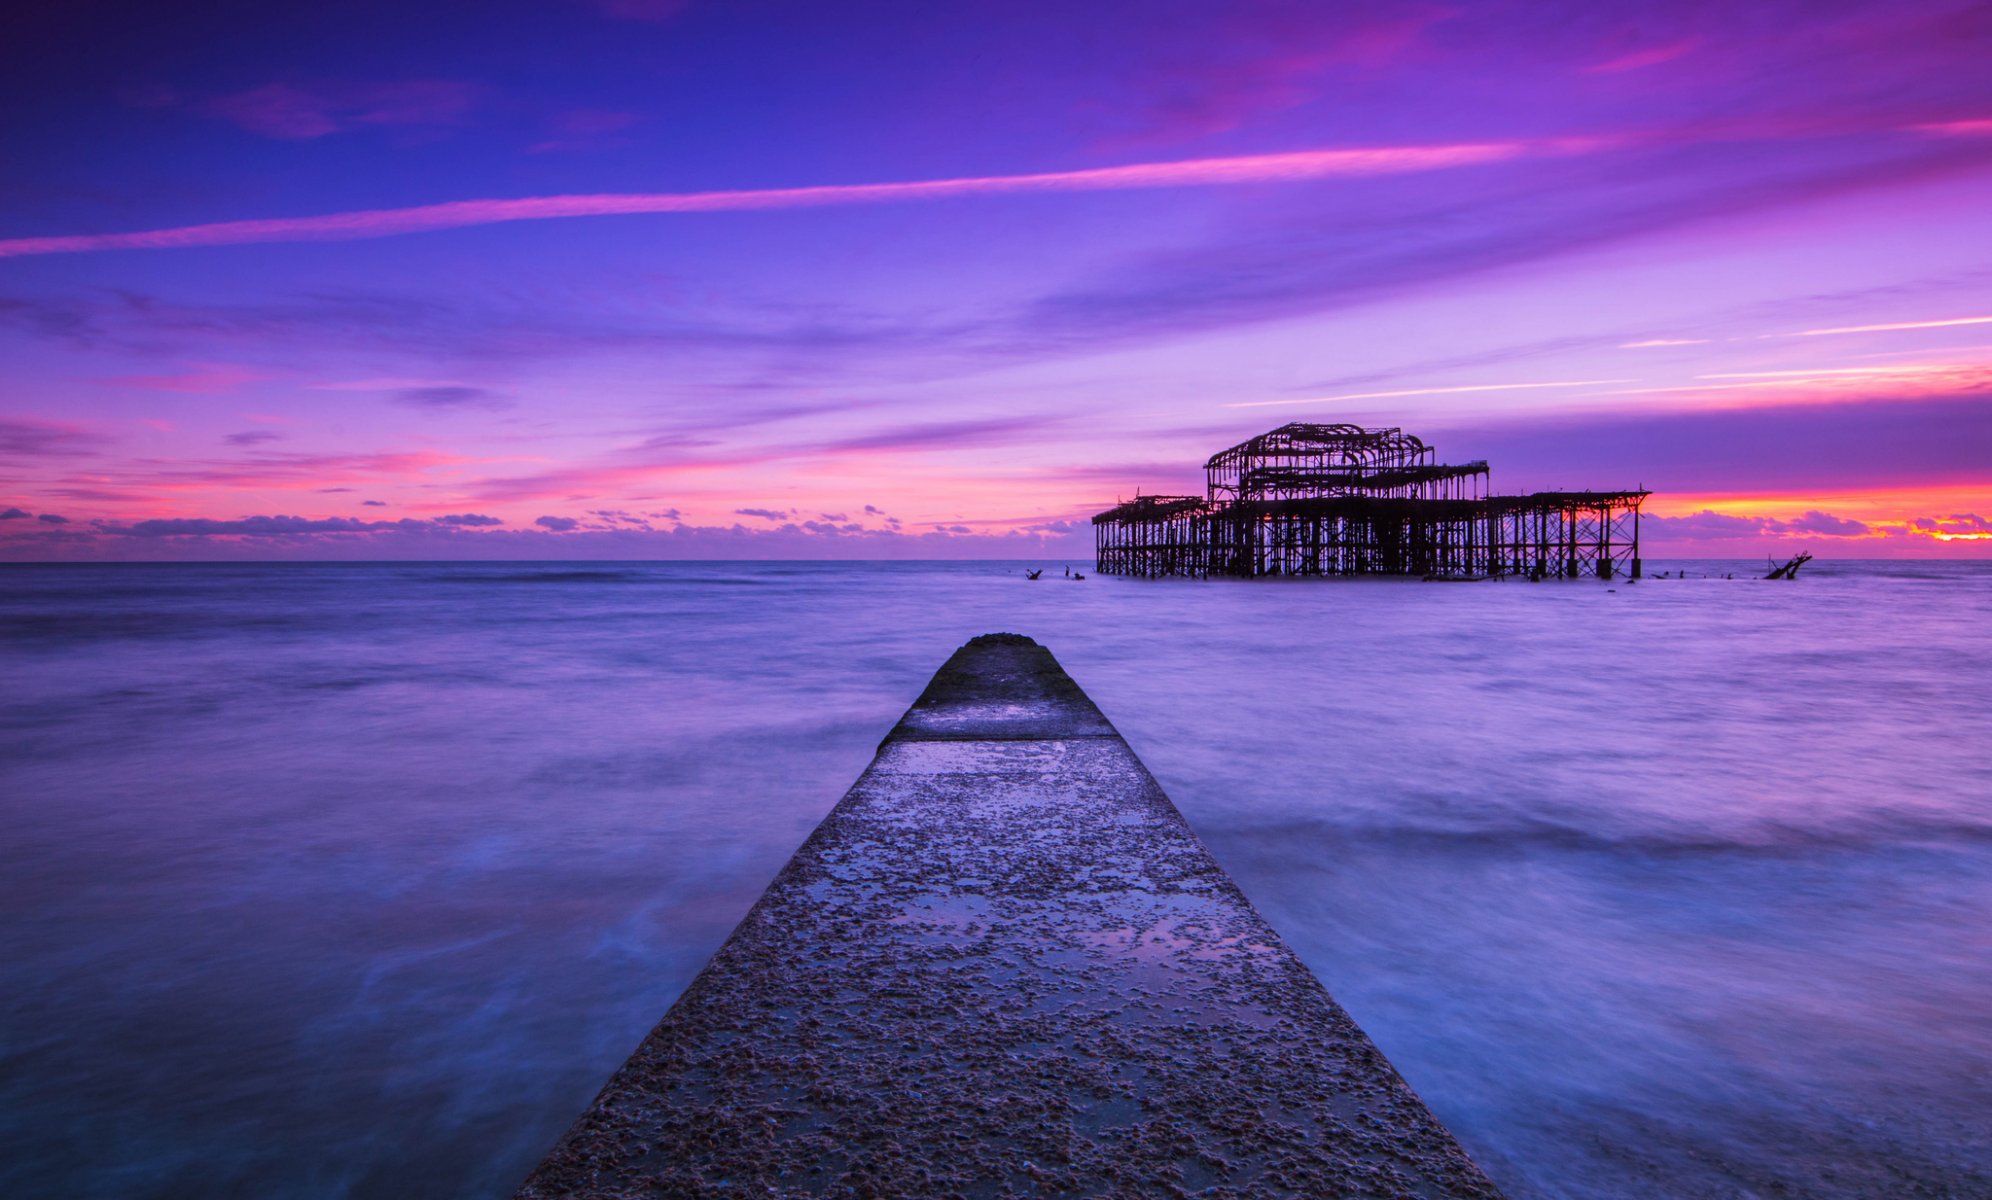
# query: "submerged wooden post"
(1004, 966)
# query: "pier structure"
(1005, 966)
(1344, 500)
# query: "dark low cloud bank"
(283, 526)
(255, 527)
(556, 537)
(1708, 525)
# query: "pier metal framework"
(1343, 500)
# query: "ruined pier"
(1309, 499)
(1005, 966)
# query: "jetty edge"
(1004, 965)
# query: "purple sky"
(654, 278)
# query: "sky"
(693, 279)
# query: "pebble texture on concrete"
(1005, 966)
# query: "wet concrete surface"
(1005, 966)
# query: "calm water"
(359, 880)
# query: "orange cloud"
(1902, 517)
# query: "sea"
(358, 880)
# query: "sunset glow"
(692, 287)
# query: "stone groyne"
(1005, 966)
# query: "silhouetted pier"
(1004, 966)
(1344, 500)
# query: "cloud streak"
(296, 113)
(1291, 167)
(1433, 391)
(1891, 328)
(452, 397)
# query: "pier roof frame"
(1347, 445)
(1151, 508)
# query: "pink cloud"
(1650, 57)
(1290, 167)
(1971, 128)
(293, 113)
(198, 378)
(283, 471)
(1264, 59)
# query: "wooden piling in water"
(1005, 966)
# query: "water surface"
(358, 880)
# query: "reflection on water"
(359, 880)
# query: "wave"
(542, 577)
(1769, 840)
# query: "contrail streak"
(1201, 172)
(1890, 328)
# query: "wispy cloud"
(1908, 369)
(451, 398)
(47, 439)
(382, 385)
(297, 112)
(1432, 391)
(280, 471)
(1246, 61)
(1651, 56)
(1889, 328)
(942, 435)
(1967, 128)
(1291, 167)
(196, 379)
(583, 129)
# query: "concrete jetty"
(1004, 966)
